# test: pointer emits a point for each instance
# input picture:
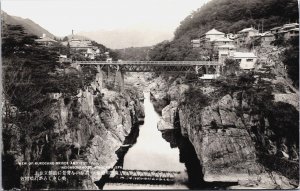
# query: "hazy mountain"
(117, 39)
(29, 26)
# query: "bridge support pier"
(119, 81)
(99, 77)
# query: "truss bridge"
(155, 66)
(120, 175)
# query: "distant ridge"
(29, 26)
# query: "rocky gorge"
(86, 131)
(229, 132)
(236, 133)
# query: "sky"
(61, 16)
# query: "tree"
(291, 60)
(65, 39)
(231, 67)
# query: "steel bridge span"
(120, 175)
(155, 66)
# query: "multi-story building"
(195, 43)
(211, 35)
(225, 51)
(287, 31)
(45, 41)
(222, 41)
(244, 36)
(247, 60)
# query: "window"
(239, 60)
(249, 60)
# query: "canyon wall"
(88, 127)
(228, 132)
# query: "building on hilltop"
(275, 30)
(195, 43)
(267, 38)
(211, 38)
(77, 44)
(289, 26)
(231, 36)
(211, 35)
(222, 41)
(83, 46)
(244, 36)
(45, 41)
(287, 34)
(247, 60)
(287, 31)
(225, 51)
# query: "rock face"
(89, 127)
(168, 117)
(98, 124)
(225, 135)
(223, 145)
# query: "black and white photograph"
(149, 95)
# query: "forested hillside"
(234, 15)
(226, 16)
(29, 26)
(133, 53)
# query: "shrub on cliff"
(226, 16)
(291, 59)
(284, 121)
(194, 96)
(231, 67)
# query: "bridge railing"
(193, 63)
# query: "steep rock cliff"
(88, 128)
(228, 132)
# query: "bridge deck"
(142, 176)
(152, 66)
(152, 63)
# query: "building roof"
(291, 25)
(244, 55)
(285, 31)
(247, 30)
(230, 46)
(295, 29)
(80, 44)
(195, 41)
(209, 76)
(275, 28)
(223, 39)
(267, 33)
(45, 39)
(214, 32)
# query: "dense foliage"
(31, 74)
(134, 53)
(177, 50)
(234, 15)
(226, 16)
(231, 66)
(291, 59)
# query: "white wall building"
(244, 36)
(211, 35)
(225, 51)
(247, 59)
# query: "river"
(151, 152)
